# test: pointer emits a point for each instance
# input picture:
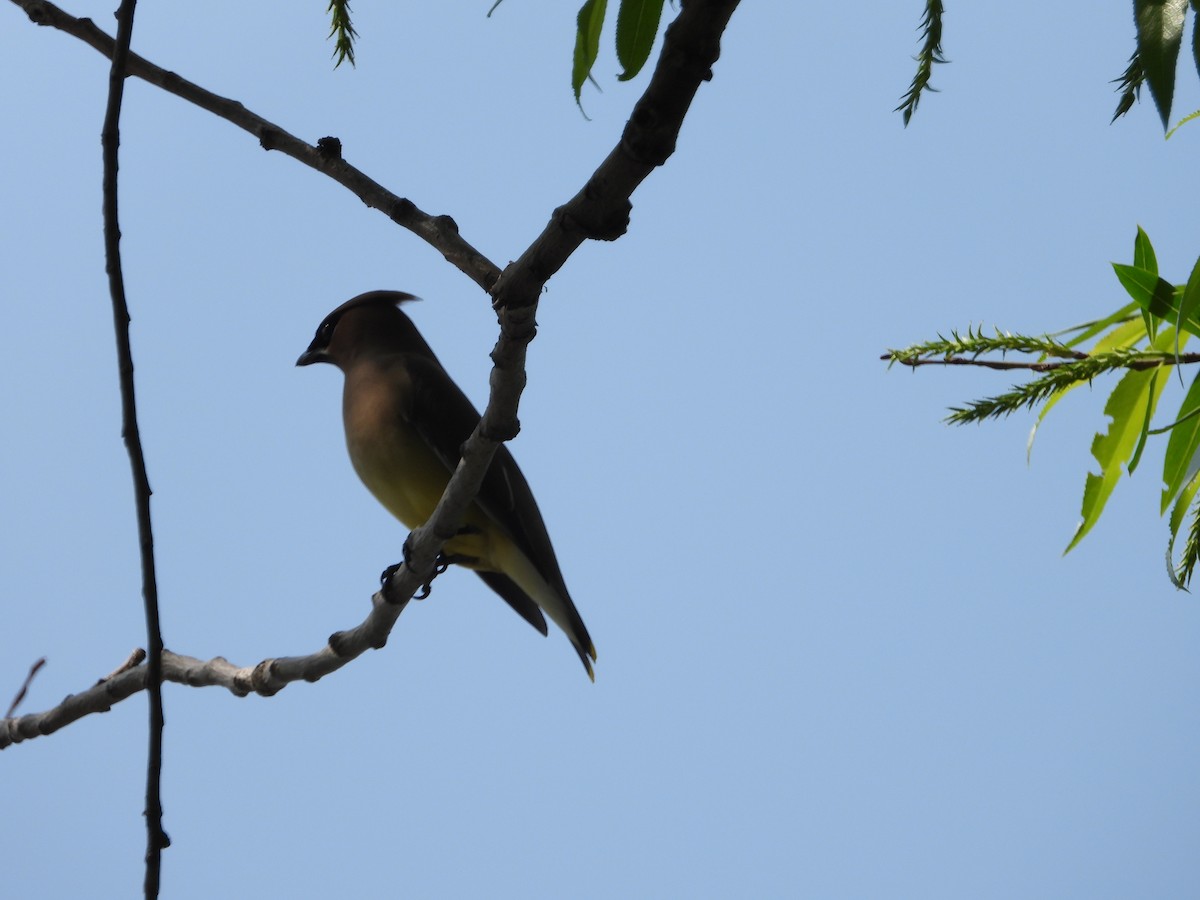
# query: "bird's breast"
(405, 475)
(390, 457)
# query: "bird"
(406, 421)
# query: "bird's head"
(369, 323)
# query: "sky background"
(840, 652)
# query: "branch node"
(262, 678)
(329, 148)
(402, 211)
(38, 15)
(337, 643)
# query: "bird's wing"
(444, 417)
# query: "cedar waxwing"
(406, 422)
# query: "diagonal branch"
(439, 231)
(265, 678)
(599, 211)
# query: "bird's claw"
(442, 563)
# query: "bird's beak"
(310, 356)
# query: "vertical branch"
(156, 838)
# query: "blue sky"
(840, 653)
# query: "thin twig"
(110, 141)
(134, 659)
(33, 670)
(1138, 364)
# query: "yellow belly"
(408, 479)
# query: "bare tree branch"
(110, 141)
(440, 232)
(599, 211)
(266, 678)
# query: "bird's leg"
(443, 562)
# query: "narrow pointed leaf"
(1127, 407)
(1126, 334)
(1191, 549)
(1091, 329)
(1189, 302)
(587, 42)
(637, 26)
(1143, 251)
(1156, 296)
(1195, 40)
(1181, 505)
(1160, 32)
(1154, 391)
(1182, 460)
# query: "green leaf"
(342, 31)
(1130, 334)
(1129, 86)
(1129, 406)
(637, 26)
(1182, 460)
(1182, 504)
(1145, 432)
(1191, 549)
(1089, 330)
(1126, 334)
(930, 55)
(1160, 32)
(1189, 301)
(1143, 251)
(587, 42)
(1195, 45)
(1154, 295)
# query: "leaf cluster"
(1144, 338)
(637, 27)
(1159, 24)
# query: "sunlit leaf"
(1191, 548)
(1182, 460)
(1155, 295)
(1143, 252)
(1127, 334)
(1089, 330)
(1127, 408)
(637, 26)
(1160, 32)
(1189, 302)
(1154, 391)
(1182, 504)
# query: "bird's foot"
(443, 562)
